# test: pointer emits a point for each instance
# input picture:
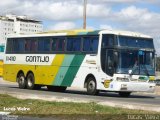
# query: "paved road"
(135, 101)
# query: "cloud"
(137, 19)
(97, 10)
(104, 26)
(63, 26)
(55, 10)
(66, 13)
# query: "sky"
(133, 15)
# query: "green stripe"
(82, 33)
(96, 32)
(73, 69)
(63, 70)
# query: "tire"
(21, 81)
(124, 94)
(92, 86)
(31, 82)
(56, 88)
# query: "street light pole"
(84, 14)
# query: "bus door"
(109, 62)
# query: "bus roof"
(81, 32)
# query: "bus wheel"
(30, 81)
(21, 81)
(92, 86)
(56, 88)
(124, 94)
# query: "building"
(12, 24)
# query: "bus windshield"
(135, 42)
(140, 62)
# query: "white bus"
(100, 60)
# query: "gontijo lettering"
(37, 58)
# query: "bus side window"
(94, 44)
(86, 44)
(27, 45)
(9, 47)
(18, 45)
(107, 40)
(46, 44)
(33, 45)
(57, 44)
(40, 45)
(74, 44)
(21, 45)
(53, 44)
(60, 44)
(90, 44)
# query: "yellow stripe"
(51, 71)
(44, 74)
(11, 71)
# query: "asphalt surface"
(141, 98)
(135, 101)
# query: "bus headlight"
(122, 79)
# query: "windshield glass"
(135, 42)
(140, 62)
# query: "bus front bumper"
(132, 86)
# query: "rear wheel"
(92, 86)
(56, 88)
(31, 82)
(124, 94)
(21, 81)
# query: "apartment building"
(12, 24)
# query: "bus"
(1, 59)
(98, 60)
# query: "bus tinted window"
(40, 44)
(135, 42)
(74, 44)
(53, 44)
(33, 45)
(46, 44)
(9, 46)
(27, 45)
(107, 40)
(57, 44)
(90, 44)
(60, 44)
(18, 45)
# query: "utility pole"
(84, 14)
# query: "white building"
(12, 24)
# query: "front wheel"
(92, 86)
(21, 81)
(124, 94)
